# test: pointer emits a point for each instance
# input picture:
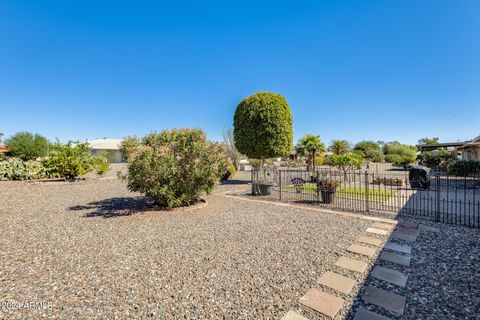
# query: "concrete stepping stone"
(394, 246)
(364, 314)
(352, 264)
(377, 231)
(366, 251)
(429, 229)
(396, 258)
(322, 302)
(383, 226)
(390, 275)
(369, 240)
(292, 315)
(385, 299)
(404, 237)
(407, 224)
(412, 232)
(337, 281)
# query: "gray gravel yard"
(95, 250)
(443, 278)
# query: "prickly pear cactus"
(16, 169)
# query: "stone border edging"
(283, 204)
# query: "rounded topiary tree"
(263, 126)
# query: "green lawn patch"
(348, 192)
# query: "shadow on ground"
(116, 207)
(234, 182)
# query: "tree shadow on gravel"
(234, 182)
(116, 207)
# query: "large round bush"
(176, 168)
(27, 146)
(263, 126)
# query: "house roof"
(104, 144)
(440, 145)
(458, 145)
(472, 143)
(4, 149)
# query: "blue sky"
(380, 70)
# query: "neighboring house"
(467, 150)
(244, 165)
(111, 147)
(450, 146)
(471, 149)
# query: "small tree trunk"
(313, 161)
(264, 169)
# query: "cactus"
(16, 169)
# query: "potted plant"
(262, 187)
(328, 188)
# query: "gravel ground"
(94, 250)
(443, 278)
(91, 249)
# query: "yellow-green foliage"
(263, 126)
(177, 167)
(230, 172)
(16, 169)
(129, 146)
(72, 160)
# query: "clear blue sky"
(354, 70)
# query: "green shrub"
(268, 163)
(464, 168)
(176, 168)
(400, 154)
(255, 163)
(230, 172)
(320, 160)
(299, 163)
(16, 169)
(436, 158)
(263, 126)
(370, 150)
(395, 159)
(27, 146)
(129, 146)
(72, 160)
(345, 162)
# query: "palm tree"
(310, 146)
(340, 146)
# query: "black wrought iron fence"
(449, 199)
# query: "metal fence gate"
(449, 199)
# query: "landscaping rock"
(337, 281)
(385, 299)
(322, 302)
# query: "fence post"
(280, 183)
(367, 196)
(317, 182)
(251, 177)
(437, 197)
